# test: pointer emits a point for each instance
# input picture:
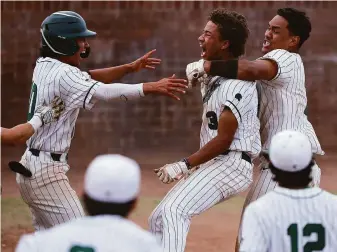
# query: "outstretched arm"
(111, 74)
(261, 69)
(17, 135)
(167, 87)
(43, 115)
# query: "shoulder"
(140, 235)
(277, 53)
(245, 88)
(280, 56)
(43, 238)
(331, 198)
(73, 72)
(263, 204)
(234, 84)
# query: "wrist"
(188, 164)
(129, 68)
(148, 88)
(36, 122)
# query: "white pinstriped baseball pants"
(213, 183)
(48, 193)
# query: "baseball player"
(48, 193)
(229, 139)
(43, 115)
(281, 81)
(293, 217)
(111, 189)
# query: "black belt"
(54, 156)
(244, 155)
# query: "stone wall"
(127, 30)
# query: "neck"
(293, 50)
(227, 56)
(66, 60)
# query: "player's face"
(277, 35)
(75, 60)
(210, 42)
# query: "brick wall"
(126, 30)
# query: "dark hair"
(95, 207)
(232, 27)
(298, 23)
(45, 51)
(299, 179)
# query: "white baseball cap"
(290, 151)
(112, 178)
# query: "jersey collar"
(298, 193)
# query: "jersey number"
(307, 231)
(212, 120)
(32, 101)
(81, 249)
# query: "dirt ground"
(214, 230)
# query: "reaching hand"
(166, 87)
(145, 62)
(52, 112)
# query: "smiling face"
(75, 60)
(277, 36)
(212, 46)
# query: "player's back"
(242, 99)
(91, 234)
(283, 100)
(298, 220)
(52, 78)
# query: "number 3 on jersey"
(32, 101)
(308, 229)
(212, 120)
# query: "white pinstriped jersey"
(283, 100)
(241, 97)
(287, 220)
(91, 234)
(53, 78)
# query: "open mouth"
(266, 43)
(203, 50)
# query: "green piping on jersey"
(32, 101)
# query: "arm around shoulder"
(260, 69)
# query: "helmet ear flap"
(59, 44)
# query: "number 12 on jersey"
(308, 229)
(32, 101)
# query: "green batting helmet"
(60, 30)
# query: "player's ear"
(294, 41)
(225, 44)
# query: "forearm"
(233, 69)
(110, 74)
(115, 91)
(211, 150)
(17, 135)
